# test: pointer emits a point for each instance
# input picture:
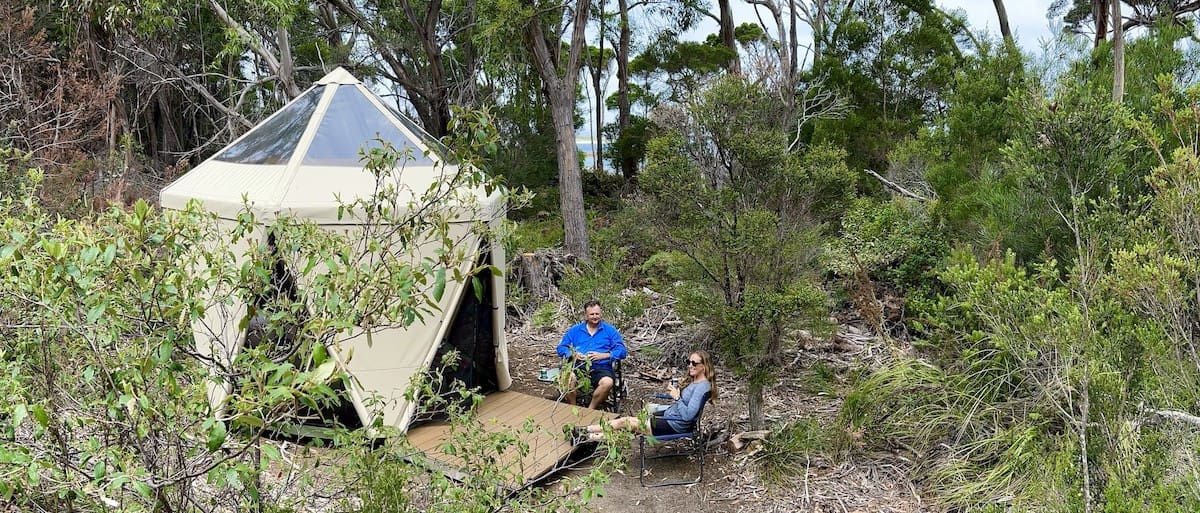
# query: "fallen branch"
(739, 441)
(896, 187)
(1176, 416)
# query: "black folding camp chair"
(694, 442)
(615, 396)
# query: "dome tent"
(304, 161)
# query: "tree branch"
(896, 187)
(1177, 416)
(254, 43)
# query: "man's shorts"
(599, 372)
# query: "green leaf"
(270, 452)
(439, 285)
(140, 210)
(216, 436)
(249, 421)
(323, 372)
(40, 415)
(19, 414)
(89, 254)
(319, 354)
(164, 352)
(54, 248)
(477, 285)
(143, 489)
(98, 471)
(94, 313)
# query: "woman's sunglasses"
(693, 364)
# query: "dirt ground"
(731, 482)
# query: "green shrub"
(787, 451)
(606, 280)
(537, 233)
(820, 378)
(546, 316)
(893, 241)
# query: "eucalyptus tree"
(597, 62)
(1097, 16)
(427, 47)
(196, 74)
(1002, 17)
(893, 61)
(545, 24)
(673, 17)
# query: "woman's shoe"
(578, 435)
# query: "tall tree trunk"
(1002, 14)
(598, 144)
(1100, 15)
(570, 182)
(287, 65)
(560, 91)
(628, 163)
(727, 39)
(1118, 53)
(793, 46)
(819, 29)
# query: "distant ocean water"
(588, 149)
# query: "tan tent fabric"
(303, 162)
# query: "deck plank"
(508, 412)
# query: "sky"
(1027, 18)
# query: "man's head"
(592, 313)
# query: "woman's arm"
(687, 408)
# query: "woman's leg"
(627, 423)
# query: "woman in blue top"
(680, 416)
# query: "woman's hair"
(710, 372)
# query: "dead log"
(1177, 416)
(739, 441)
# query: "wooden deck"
(512, 412)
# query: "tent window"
(436, 146)
(275, 140)
(351, 124)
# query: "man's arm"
(618, 350)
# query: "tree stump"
(533, 276)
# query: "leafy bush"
(893, 241)
(606, 280)
(787, 451)
(1025, 395)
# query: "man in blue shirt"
(593, 344)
